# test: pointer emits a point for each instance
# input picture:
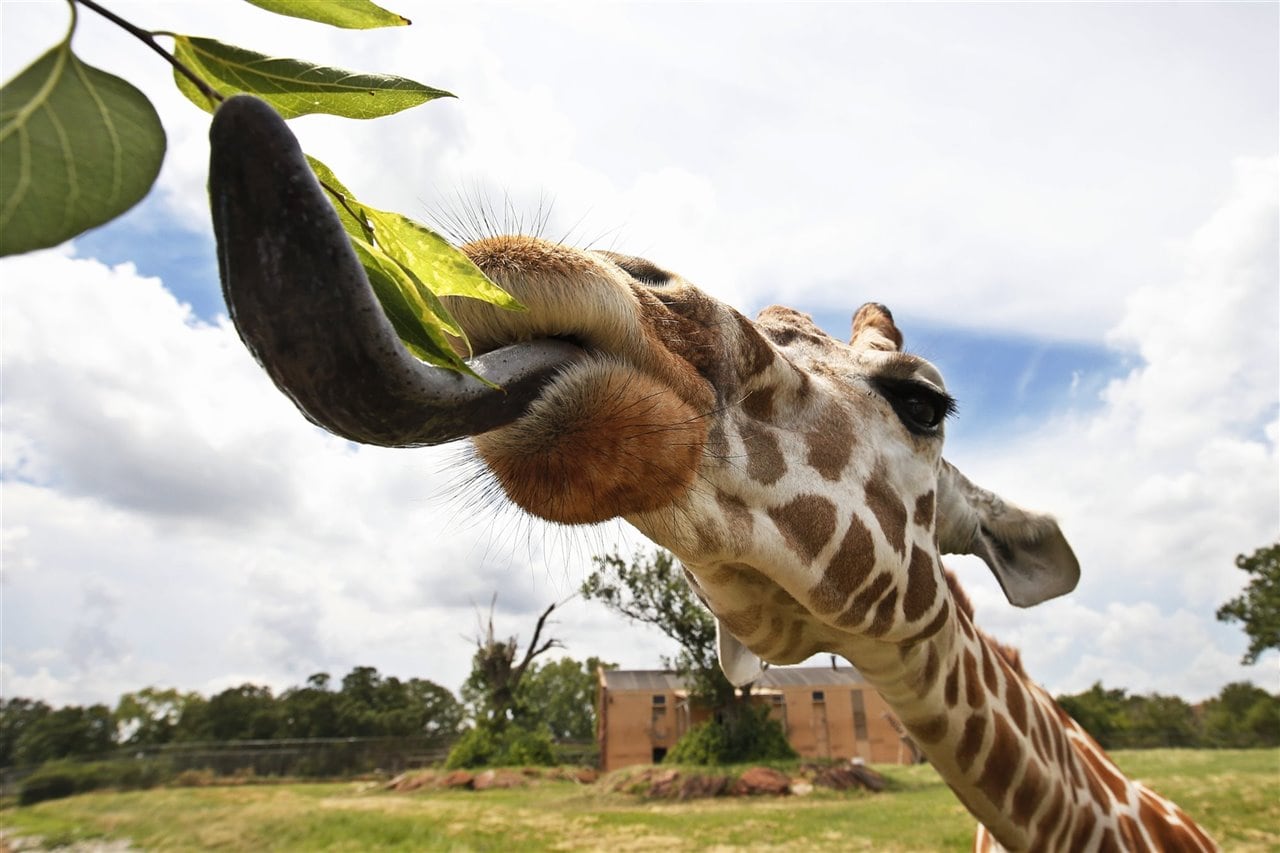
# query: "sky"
(1070, 208)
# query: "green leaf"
(78, 146)
(292, 86)
(348, 14)
(443, 269)
(410, 267)
(414, 317)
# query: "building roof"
(777, 677)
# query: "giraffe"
(798, 478)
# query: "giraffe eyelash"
(920, 407)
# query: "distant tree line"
(1241, 716)
(557, 697)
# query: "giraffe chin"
(602, 440)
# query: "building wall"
(634, 728)
(846, 722)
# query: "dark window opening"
(659, 753)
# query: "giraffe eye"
(920, 407)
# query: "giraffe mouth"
(301, 302)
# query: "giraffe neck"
(1021, 766)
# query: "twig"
(149, 40)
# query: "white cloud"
(1173, 476)
(1023, 169)
(171, 519)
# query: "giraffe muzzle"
(302, 304)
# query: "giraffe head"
(798, 477)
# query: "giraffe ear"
(740, 665)
(1026, 551)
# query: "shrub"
(56, 779)
(512, 747)
(746, 733)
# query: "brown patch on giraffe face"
(765, 462)
(737, 515)
(848, 568)
(1026, 799)
(688, 324)
(759, 404)
(888, 509)
(754, 353)
(923, 516)
(975, 727)
(830, 442)
(922, 585)
(807, 523)
(1003, 760)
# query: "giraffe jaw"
(302, 304)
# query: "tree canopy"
(1258, 607)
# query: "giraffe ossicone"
(798, 478)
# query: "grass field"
(1235, 794)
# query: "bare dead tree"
(495, 677)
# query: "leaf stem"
(149, 40)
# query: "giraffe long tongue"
(303, 306)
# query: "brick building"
(825, 712)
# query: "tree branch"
(149, 40)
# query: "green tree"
(1100, 712)
(70, 732)
(1160, 721)
(17, 715)
(492, 691)
(1242, 715)
(560, 696)
(149, 716)
(247, 712)
(653, 590)
(1258, 607)
(310, 711)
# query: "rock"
(491, 779)
(762, 780)
(457, 779)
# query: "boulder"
(762, 780)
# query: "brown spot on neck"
(922, 585)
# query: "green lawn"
(1235, 794)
